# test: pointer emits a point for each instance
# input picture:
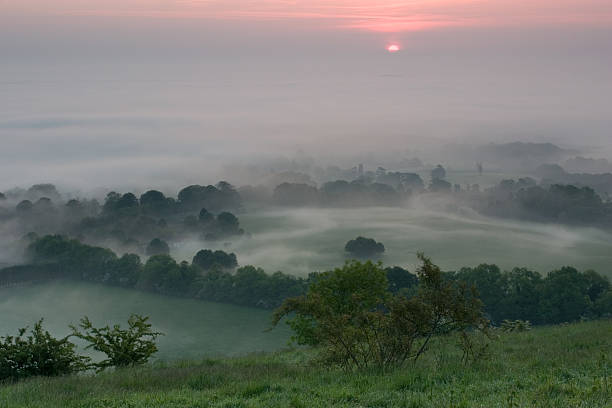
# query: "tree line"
(562, 295)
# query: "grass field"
(557, 367)
(301, 240)
(193, 328)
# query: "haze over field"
(156, 93)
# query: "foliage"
(509, 326)
(514, 376)
(157, 247)
(38, 354)
(350, 313)
(207, 260)
(438, 173)
(123, 347)
(364, 247)
(560, 296)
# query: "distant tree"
(439, 185)
(205, 217)
(191, 223)
(24, 206)
(438, 173)
(154, 202)
(127, 200)
(123, 347)
(157, 247)
(43, 190)
(207, 259)
(521, 289)
(125, 271)
(110, 202)
(564, 296)
(400, 279)
(2, 196)
(364, 247)
(157, 272)
(488, 280)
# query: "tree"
(357, 323)
(157, 272)
(154, 202)
(123, 347)
(205, 217)
(38, 354)
(364, 247)
(438, 173)
(400, 279)
(157, 247)
(564, 296)
(439, 186)
(24, 206)
(207, 259)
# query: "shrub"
(38, 354)
(123, 347)
(350, 313)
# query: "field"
(299, 241)
(557, 367)
(193, 328)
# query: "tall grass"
(557, 366)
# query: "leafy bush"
(38, 354)
(123, 347)
(358, 323)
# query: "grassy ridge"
(557, 366)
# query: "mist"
(126, 103)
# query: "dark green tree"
(364, 247)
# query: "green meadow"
(557, 367)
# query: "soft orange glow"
(393, 48)
(371, 15)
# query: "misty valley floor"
(557, 366)
(302, 240)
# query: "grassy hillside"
(561, 366)
(193, 328)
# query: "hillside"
(555, 366)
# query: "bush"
(364, 247)
(38, 354)
(358, 323)
(123, 347)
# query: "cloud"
(370, 15)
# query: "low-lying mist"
(193, 328)
(299, 241)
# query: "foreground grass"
(560, 366)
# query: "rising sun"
(393, 48)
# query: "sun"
(393, 48)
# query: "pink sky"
(375, 15)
